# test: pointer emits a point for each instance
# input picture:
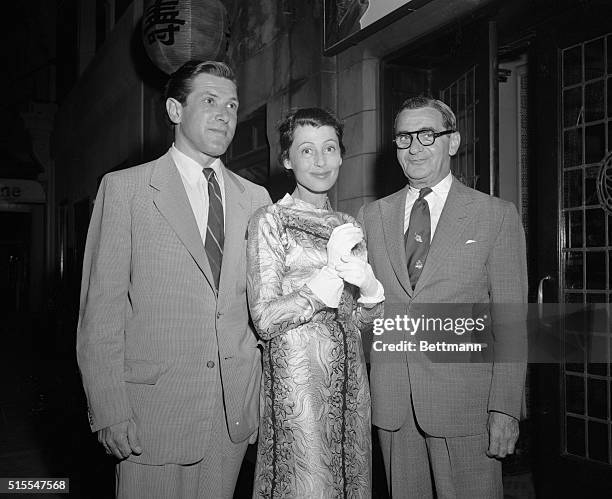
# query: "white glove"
(342, 240)
(327, 286)
(355, 271)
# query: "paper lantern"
(175, 31)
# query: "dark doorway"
(453, 67)
(14, 261)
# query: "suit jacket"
(155, 340)
(477, 258)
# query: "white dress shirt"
(435, 199)
(196, 186)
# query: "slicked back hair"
(308, 116)
(179, 84)
(420, 101)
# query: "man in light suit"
(444, 425)
(169, 363)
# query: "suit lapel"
(453, 220)
(236, 220)
(392, 211)
(172, 202)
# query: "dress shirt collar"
(440, 190)
(191, 169)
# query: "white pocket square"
(470, 241)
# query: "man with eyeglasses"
(443, 426)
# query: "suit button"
(219, 314)
(210, 364)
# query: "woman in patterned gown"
(311, 292)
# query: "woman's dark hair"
(179, 84)
(312, 116)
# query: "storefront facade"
(531, 84)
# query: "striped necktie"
(417, 237)
(214, 229)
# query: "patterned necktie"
(417, 237)
(214, 230)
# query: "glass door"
(586, 244)
(571, 242)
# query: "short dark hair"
(312, 116)
(179, 84)
(420, 101)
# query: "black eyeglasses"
(403, 140)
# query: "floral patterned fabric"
(314, 435)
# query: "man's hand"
(503, 433)
(120, 439)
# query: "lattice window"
(586, 242)
(461, 97)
